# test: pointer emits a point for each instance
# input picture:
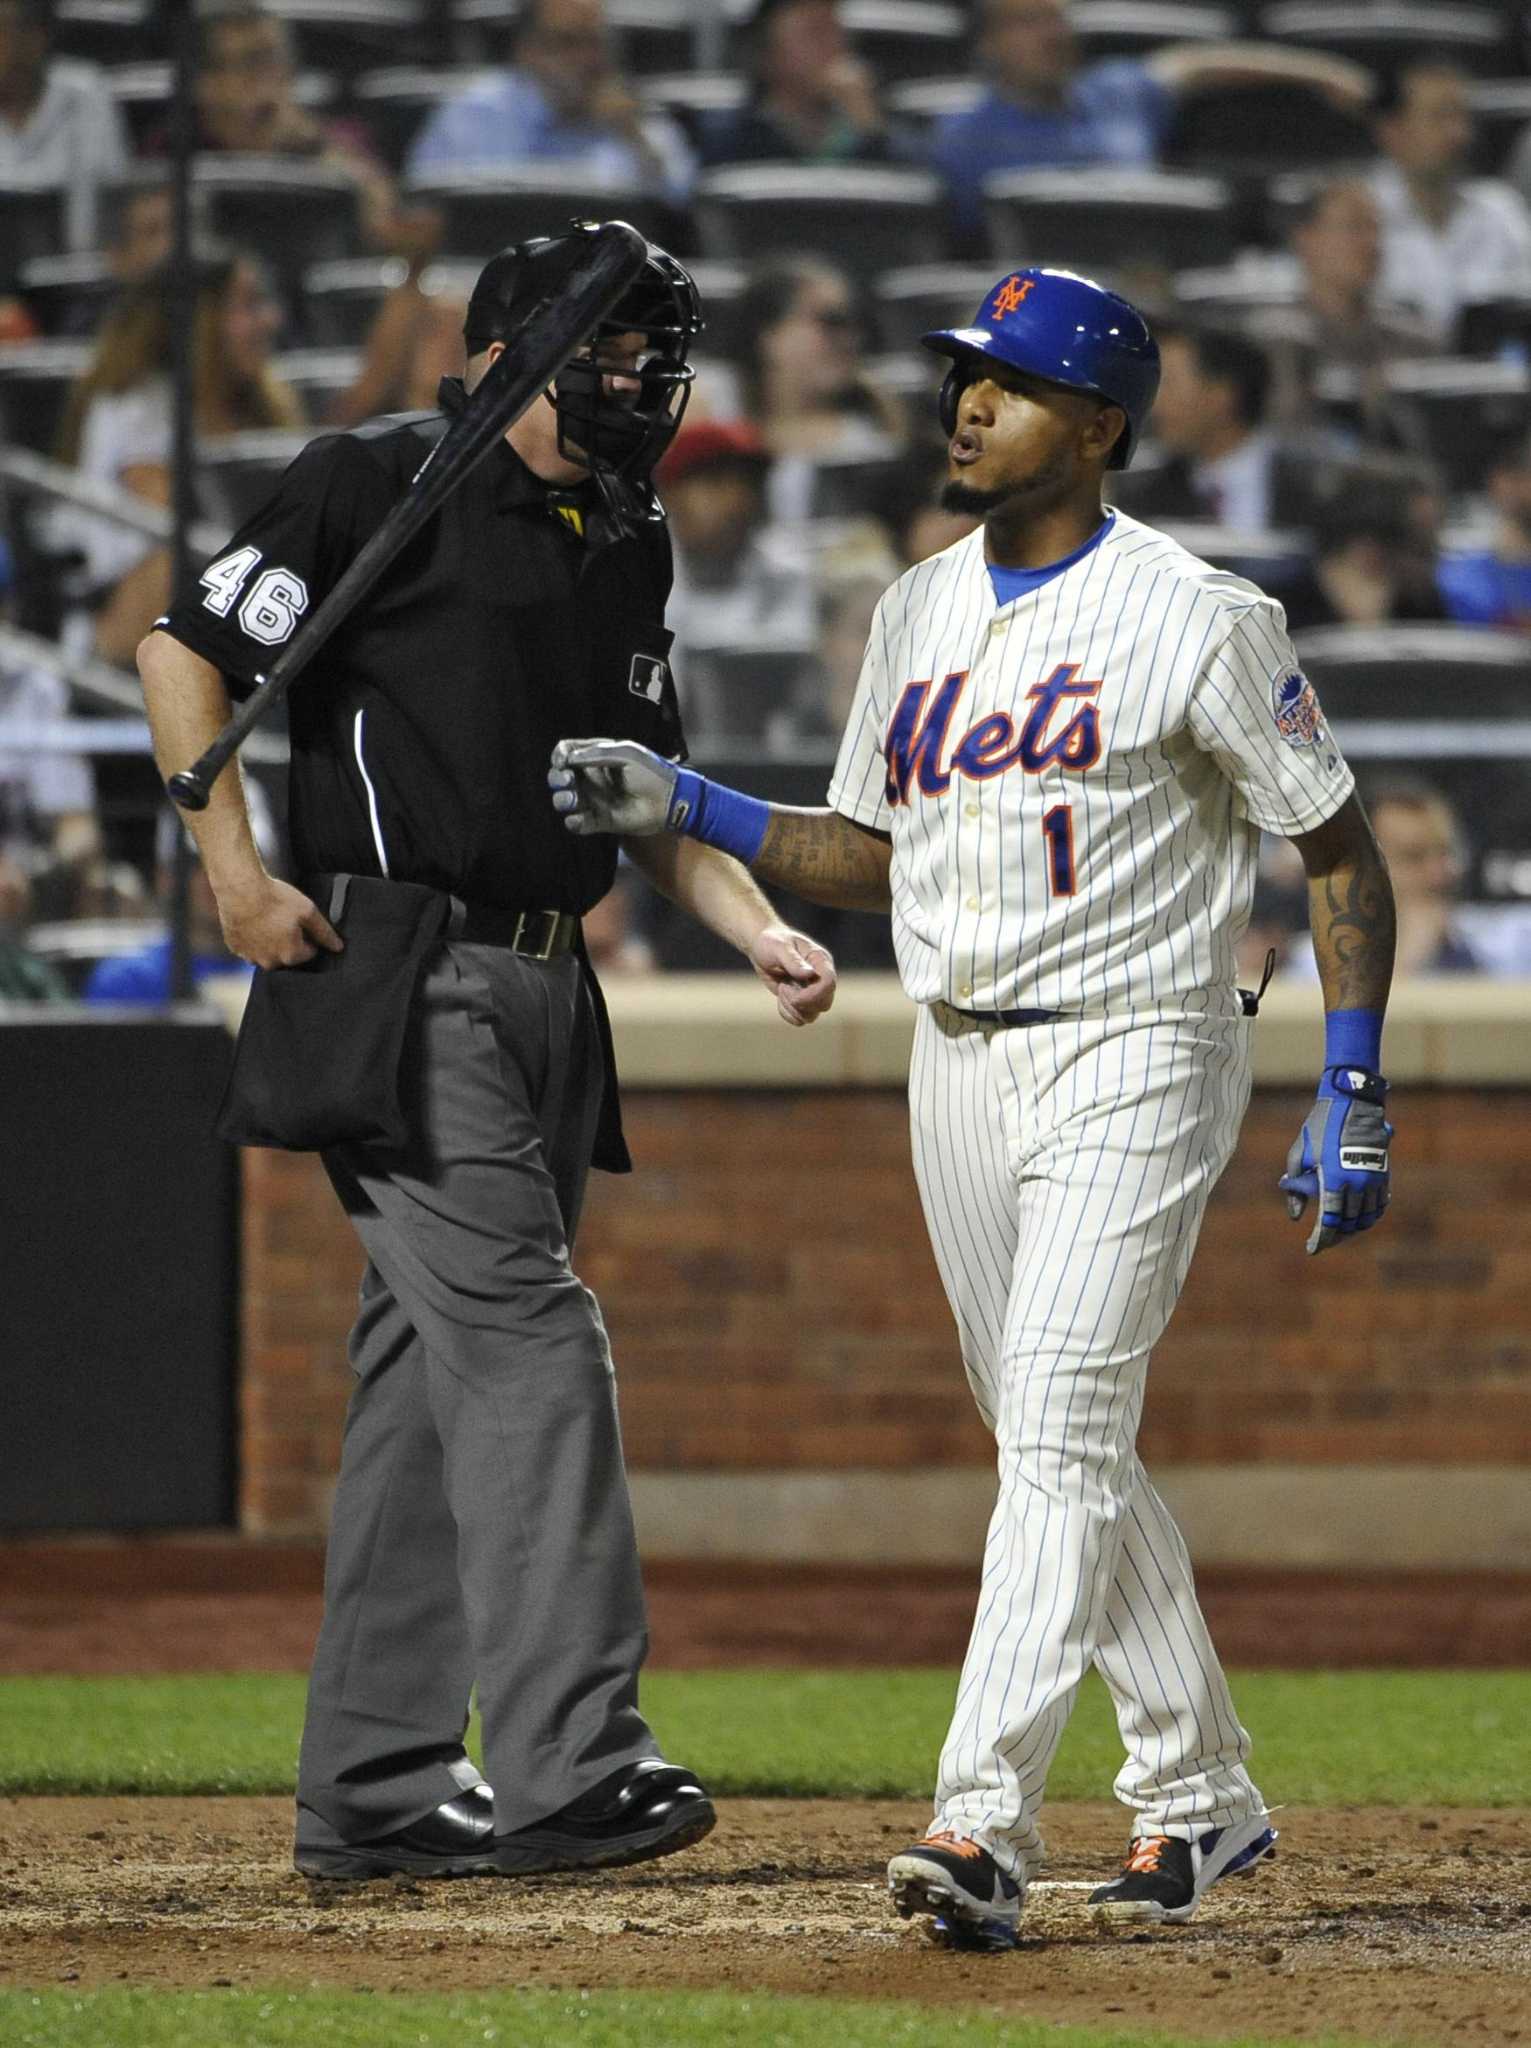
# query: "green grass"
(1449, 1738)
(524, 2019)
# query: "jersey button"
(971, 810)
(972, 903)
(965, 988)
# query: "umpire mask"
(617, 420)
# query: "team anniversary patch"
(1298, 717)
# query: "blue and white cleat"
(971, 1902)
(1164, 1877)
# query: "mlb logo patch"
(646, 677)
(1298, 718)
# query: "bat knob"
(188, 792)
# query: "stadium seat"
(913, 300)
(862, 217)
(291, 212)
(1131, 28)
(67, 294)
(908, 38)
(651, 35)
(1111, 218)
(341, 35)
(690, 96)
(1270, 558)
(318, 375)
(35, 381)
(1422, 673)
(238, 473)
(920, 103)
(341, 299)
(31, 224)
(1228, 295)
(1460, 414)
(108, 31)
(855, 486)
(1502, 112)
(1249, 133)
(484, 208)
(395, 102)
(1381, 34)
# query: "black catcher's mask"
(619, 435)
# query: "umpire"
(426, 1018)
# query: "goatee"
(957, 496)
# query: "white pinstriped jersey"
(1075, 782)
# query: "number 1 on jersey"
(1058, 831)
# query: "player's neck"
(1026, 537)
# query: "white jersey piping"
(377, 830)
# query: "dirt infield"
(217, 1603)
(1382, 1925)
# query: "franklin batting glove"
(1341, 1156)
(619, 786)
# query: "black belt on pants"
(1013, 1019)
(538, 934)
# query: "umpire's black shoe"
(646, 1809)
(456, 1840)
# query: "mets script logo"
(1298, 718)
(1010, 295)
(921, 724)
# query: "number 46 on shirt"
(273, 604)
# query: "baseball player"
(1067, 738)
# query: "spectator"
(1421, 840)
(47, 797)
(1374, 555)
(740, 587)
(247, 105)
(1448, 240)
(59, 125)
(1339, 320)
(802, 380)
(564, 103)
(1042, 108)
(1492, 586)
(117, 432)
(1210, 418)
(143, 976)
(812, 100)
(24, 976)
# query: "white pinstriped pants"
(1064, 1170)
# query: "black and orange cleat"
(971, 1902)
(1164, 1876)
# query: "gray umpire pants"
(481, 1535)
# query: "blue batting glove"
(1341, 1157)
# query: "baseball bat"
(602, 268)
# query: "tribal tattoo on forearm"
(825, 858)
(1354, 930)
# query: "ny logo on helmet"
(1010, 295)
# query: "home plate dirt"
(1387, 1925)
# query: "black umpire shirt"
(421, 735)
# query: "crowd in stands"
(1332, 237)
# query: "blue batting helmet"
(1066, 329)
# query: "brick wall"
(773, 1302)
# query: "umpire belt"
(537, 934)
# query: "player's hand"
(613, 786)
(797, 969)
(274, 925)
(1341, 1157)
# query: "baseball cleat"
(971, 1902)
(1164, 1877)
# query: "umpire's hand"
(797, 970)
(271, 924)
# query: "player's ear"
(1102, 431)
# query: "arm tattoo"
(1351, 910)
(825, 858)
